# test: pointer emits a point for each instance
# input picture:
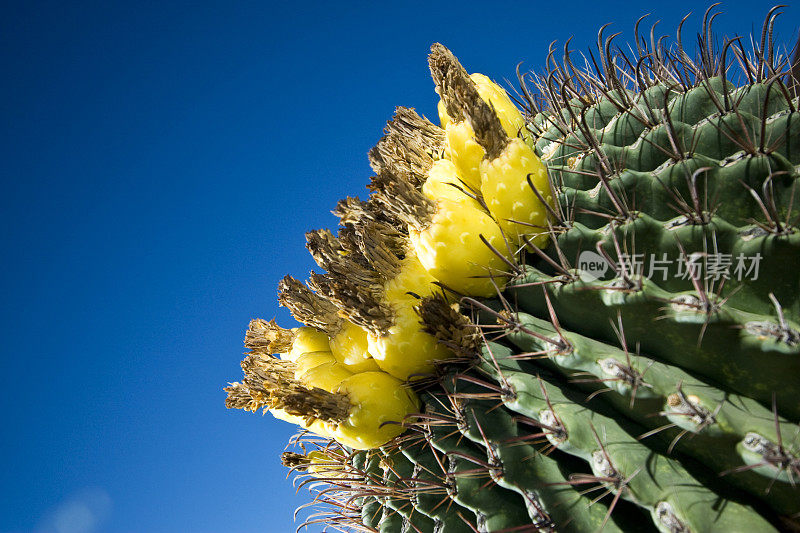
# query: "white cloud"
(83, 511)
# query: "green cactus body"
(642, 475)
(637, 364)
(715, 423)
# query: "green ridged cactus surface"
(575, 309)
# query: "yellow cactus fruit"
(268, 337)
(346, 341)
(510, 118)
(269, 384)
(379, 404)
(383, 305)
(308, 339)
(306, 361)
(509, 162)
(327, 376)
(444, 118)
(509, 196)
(406, 351)
(444, 182)
(462, 148)
(282, 415)
(349, 347)
(411, 278)
(464, 151)
(359, 412)
(325, 464)
(445, 236)
(451, 249)
(317, 426)
(381, 286)
(400, 347)
(322, 369)
(320, 463)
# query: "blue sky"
(161, 162)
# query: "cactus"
(582, 315)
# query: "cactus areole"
(575, 307)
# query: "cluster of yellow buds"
(450, 207)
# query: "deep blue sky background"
(160, 163)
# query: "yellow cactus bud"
(376, 398)
(451, 249)
(510, 198)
